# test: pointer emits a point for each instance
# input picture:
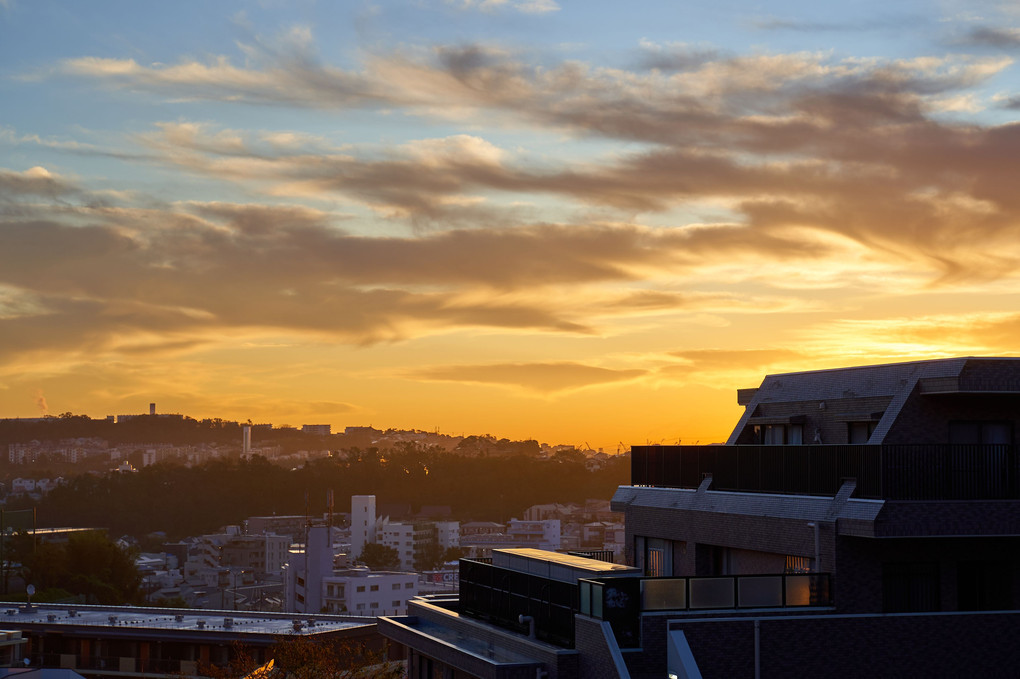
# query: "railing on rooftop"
(890, 472)
(619, 601)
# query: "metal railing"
(890, 472)
(620, 601)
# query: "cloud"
(713, 359)
(36, 181)
(989, 36)
(523, 6)
(801, 26)
(544, 378)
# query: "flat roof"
(578, 562)
(182, 621)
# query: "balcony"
(886, 472)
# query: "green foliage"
(89, 565)
(379, 557)
(190, 501)
(170, 602)
(429, 557)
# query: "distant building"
(292, 525)
(313, 584)
(317, 429)
(362, 523)
(106, 642)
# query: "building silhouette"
(858, 522)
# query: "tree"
(89, 565)
(305, 658)
(380, 557)
(429, 557)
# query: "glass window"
(361, 588)
(374, 588)
(860, 432)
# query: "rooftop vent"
(51, 617)
(311, 622)
(113, 619)
(298, 625)
(228, 623)
(201, 624)
(72, 613)
(179, 618)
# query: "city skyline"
(536, 219)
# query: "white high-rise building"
(362, 523)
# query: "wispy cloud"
(537, 377)
(990, 36)
(524, 6)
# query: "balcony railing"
(620, 601)
(890, 472)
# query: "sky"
(579, 222)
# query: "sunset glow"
(577, 222)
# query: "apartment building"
(861, 521)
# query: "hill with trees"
(186, 501)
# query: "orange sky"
(478, 218)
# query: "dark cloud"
(800, 26)
(990, 36)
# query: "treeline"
(139, 429)
(185, 501)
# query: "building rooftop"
(182, 621)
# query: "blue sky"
(520, 217)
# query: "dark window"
(860, 432)
(983, 586)
(977, 432)
(911, 587)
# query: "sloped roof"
(895, 380)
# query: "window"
(408, 585)
(798, 564)
(983, 586)
(361, 607)
(396, 604)
(860, 432)
(374, 604)
(910, 587)
(779, 434)
(374, 588)
(361, 588)
(980, 432)
(396, 585)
